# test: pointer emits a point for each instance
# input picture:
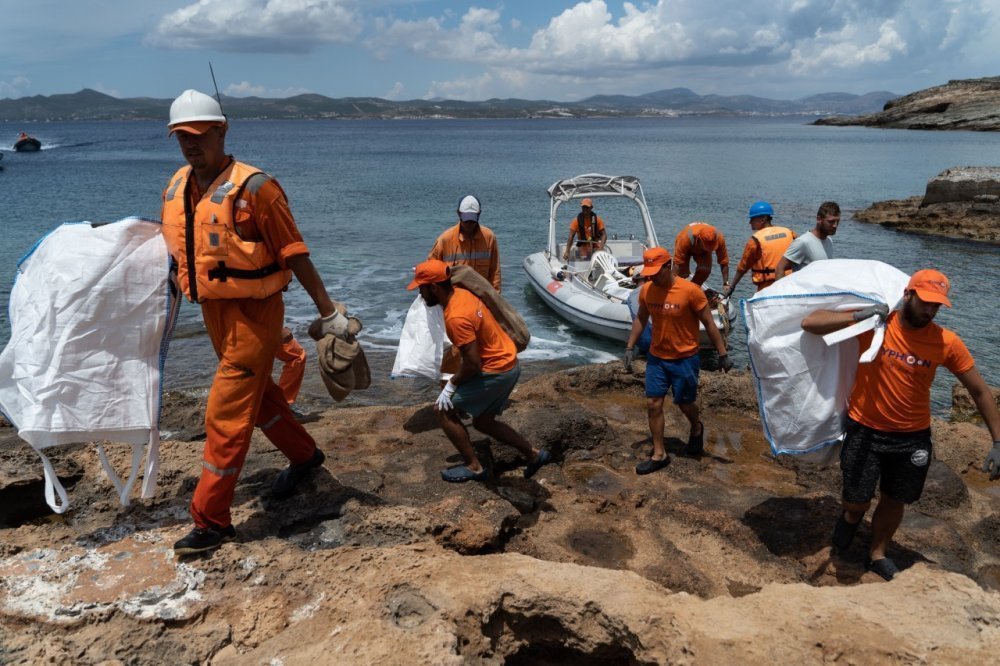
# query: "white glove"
(335, 324)
(443, 403)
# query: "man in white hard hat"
(470, 243)
(228, 226)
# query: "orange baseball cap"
(931, 286)
(431, 271)
(706, 232)
(587, 203)
(195, 126)
(653, 260)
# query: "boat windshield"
(622, 218)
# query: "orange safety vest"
(225, 265)
(773, 242)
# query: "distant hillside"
(92, 105)
(968, 104)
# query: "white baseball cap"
(468, 209)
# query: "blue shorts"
(486, 393)
(677, 375)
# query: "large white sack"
(91, 312)
(802, 382)
(421, 343)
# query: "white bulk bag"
(91, 313)
(803, 381)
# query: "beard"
(914, 318)
(429, 298)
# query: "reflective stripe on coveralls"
(246, 334)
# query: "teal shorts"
(486, 393)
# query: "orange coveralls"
(684, 252)
(293, 357)
(480, 252)
(246, 334)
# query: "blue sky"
(540, 49)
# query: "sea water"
(370, 197)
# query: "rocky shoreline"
(961, 203)
(967, 104)
(719, 559)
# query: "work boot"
(202, 539)
(290, 477)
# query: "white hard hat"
(192, 106)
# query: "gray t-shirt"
(807, 248)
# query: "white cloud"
(846, 49)
(244, 89)
(473, 40)
(462, 88)
(606, 42)
(396, 92)
(247, 89)
(256, 26)
(15, 87)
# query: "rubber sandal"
(884, 567)
(651, 465)
(843, 532)
(543, 458)
(461, 474)
(696, 443)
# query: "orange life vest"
(588, 232)
(225, 265)
(773, 242)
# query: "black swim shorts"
(900, 459)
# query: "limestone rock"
(969, 104)
(968, 184)
(718, 559)
(961, 202)
(962, 406)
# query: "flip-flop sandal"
(542, 458)
(650, 466)
(462, 473)
(843, 532)
(884, 567)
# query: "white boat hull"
(579, 304)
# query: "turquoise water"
(371, 196)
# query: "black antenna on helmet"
(218, 98)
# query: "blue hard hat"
(760, 208)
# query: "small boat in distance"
(592, 293)
(27, 144)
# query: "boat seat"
(604, 270)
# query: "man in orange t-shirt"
(485, 379)
(697, 241)
(676, 306)
(889, 413)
